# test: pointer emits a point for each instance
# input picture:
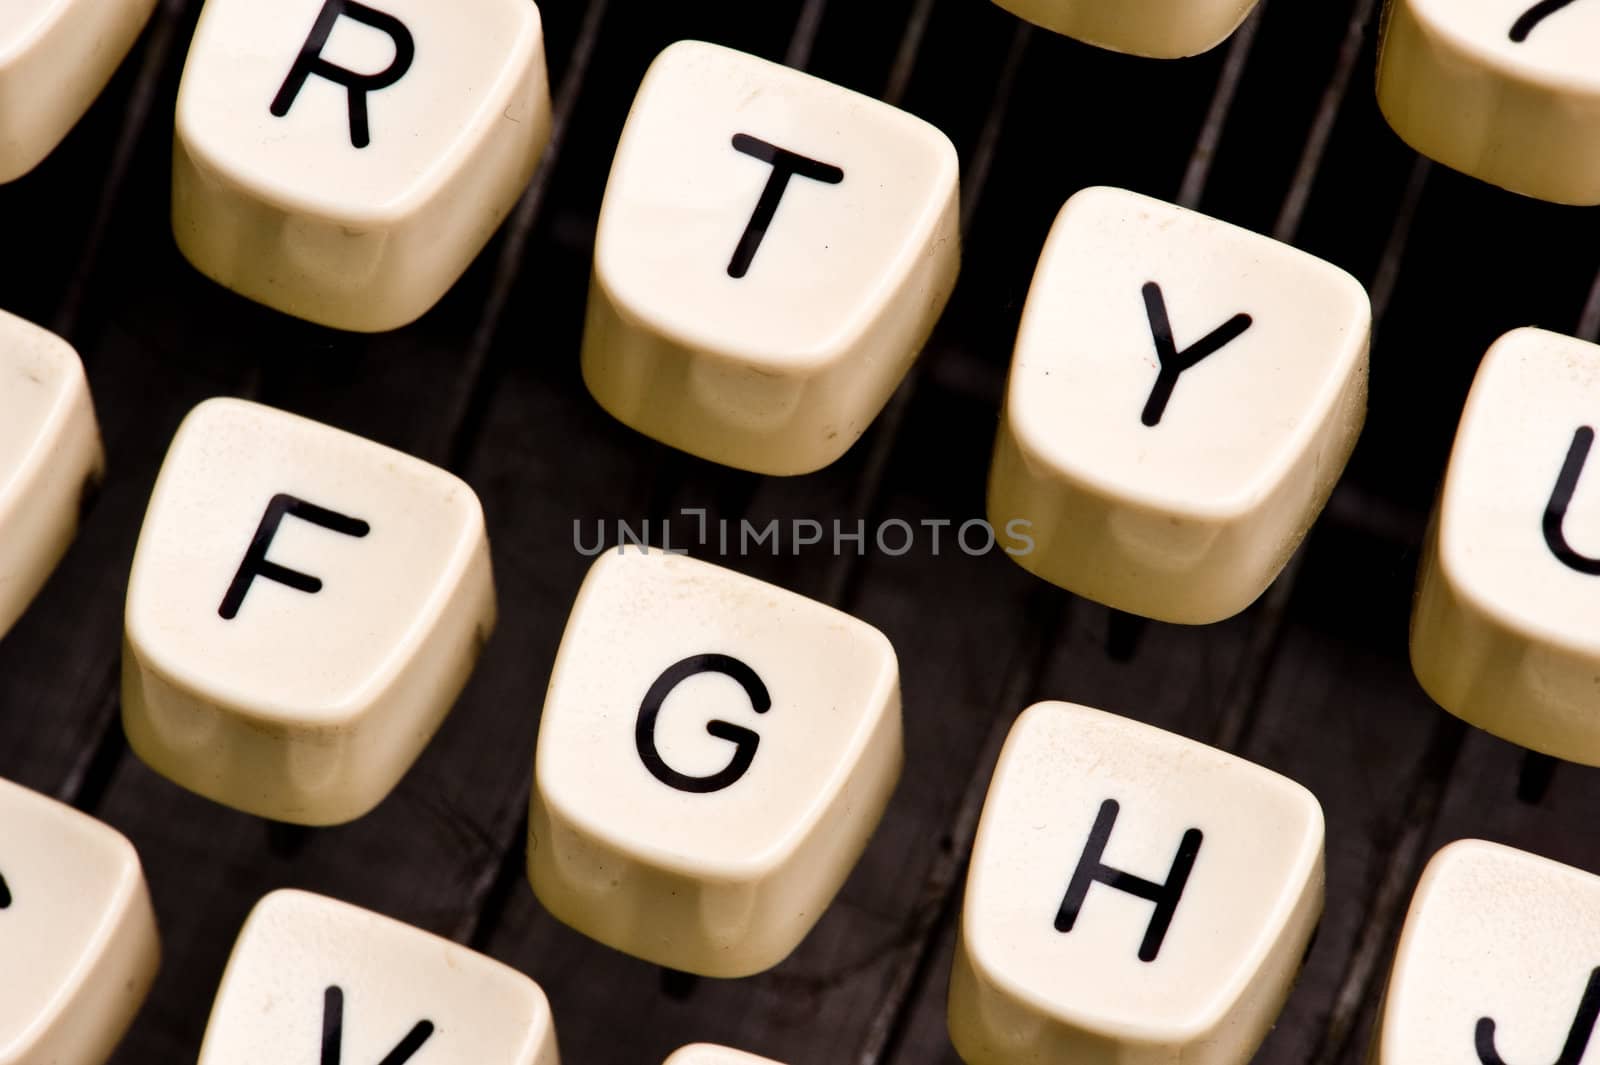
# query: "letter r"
(358, 85)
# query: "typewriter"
(1306, 693)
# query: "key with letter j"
(1498, 963)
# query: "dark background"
(1276, 130)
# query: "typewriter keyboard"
(1122, 532)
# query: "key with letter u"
(304, 607)
(1133, 896)
(1506, 628)
(713, 756)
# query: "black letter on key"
(1165, 896)
(255, 562)
(785, 164)
(1555, 511)
(744, 741)
(1533, 16)
(5, 894)
(1173, 361)
(333, 1033)
(310, 62)
(1577, 1036)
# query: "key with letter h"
(314, 981)
(713, 756)
(1183, 396)
(1133, 897)
(303, 609)
(344, 161)
(1498, 963)
(772, 253)
(1504, 634)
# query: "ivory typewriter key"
(713, 756)
(55, 57)
(707, 1054)
(344, 162)
(1183, 396)
(76, 929)
(1499, 962)
(1160, 29)
(772, 253)
(316, 980)
(1133, 897)
(49, 455)
(304, 608)
(1505, 90)
(1506, 628)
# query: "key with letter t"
(1506, 631)
(713, 756)
(314, 981)
(303, 610)
(1498, 964)
(344, 160)
(772, 252)
(1133, 897)
(1183, 396)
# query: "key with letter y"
(1183, 396)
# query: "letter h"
(1091, 869)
